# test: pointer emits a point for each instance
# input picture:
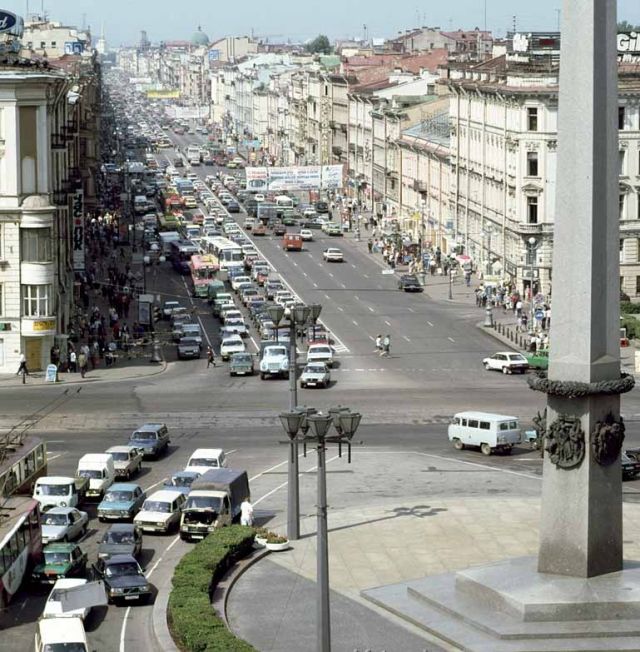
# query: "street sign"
(51, 374)
(539, 315)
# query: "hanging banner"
(303, 177)
(77, 214)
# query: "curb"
(159, 619)
(226, 583)
(492, 332)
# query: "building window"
(53, 44)
(35, 245)
(36, 300)
(532, 210)
(621, 117)
(637, 284)
(622, 160)
(532, 164)
(621, 202)
(1, 299)
(532, 119)
(637, 205)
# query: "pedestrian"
(82, 362)
(246, 513)
(22, 369)
(378, 343)
(386, 346)
(73, 361)
(211, 360)
(370, 245)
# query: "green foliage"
(192, 621)
(632, 325)
(319, 45)
(626, 26)
(628, 308)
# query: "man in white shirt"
(246, 513)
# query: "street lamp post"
(314, 428)
(450, 282)
(532, 246)
(298, 315)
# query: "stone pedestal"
(511, 607)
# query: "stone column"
(581, 530)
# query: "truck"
(99, 469)
(292, 242)
(60, 491)
(214, 501)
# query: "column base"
(508, 606)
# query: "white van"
(491, 432)
(205, 459)
(61, 634)
(284, 201)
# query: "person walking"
(73, 361)
(386, 346)
(82, 362)
(246, 513)
(379, 343)
(211, 360)
(22, 369)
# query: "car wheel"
(485, 449)
(487, 366)
(507, 450)
(457, 444)
(506, 370)
(262, 376)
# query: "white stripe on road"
(340, 308)
(430, 324)
(451, 339)
(371, 309)
(406, 338)
(315, 285)
(387, 323)
(355, 323)
(344, 287)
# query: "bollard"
(488, 317)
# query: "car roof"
(122, 527)
(164, 494)
(185, 474)
(60, 510)
(56, 479)
(63, 629)
(213, 452)
(151, 427)
(60, 547)
(123, 486)
(120, 559)
(488, 416)
(119, 449)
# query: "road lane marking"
(371, 309)
(355, 323)
(330, 274)
(352, 265)
(53, 457)
(294, 263)
(356, 297)
(340, 308)
(304, 274)
(406, 338)
(373, 339)
(451, 339)
(430, 324)
(344, 287)
(326, 296)
(315, 285)
(411, 310)
(366, 275)
(387, 323)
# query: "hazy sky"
(296, 19)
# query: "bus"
(20, 543)
(21, 465)
(228, 253)
(203, 271)
(180, 252)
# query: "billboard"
(73, 47)
(11, 24)
(77, 214)
(628, 47)
(304, 177)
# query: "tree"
(319, 45)
(626, 26)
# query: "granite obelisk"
(581, 529)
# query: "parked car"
(315, 374)
(410, 283)
(120, 539)
(60, 560)
(122, 501)
(123, 578)
(333, 255)
(63, 524)
(507, 362)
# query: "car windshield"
(314, 369)
(232, 341)
(120, 457)
(55, 519)
(156, 506)
(124, 568)
(204, 502)
(118, 496)
(64, 647)
(182, 481)
(144, 436)
(204, 461)
(92, 474)
(55, 489)
(57, 557)
(320, 349)
(244, 358)
(275, 352)
(516, 357)
(188, 341)
(118, 537)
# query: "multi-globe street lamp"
(309, 426)
(299, 315)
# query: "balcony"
(530, 229)
(420, 186)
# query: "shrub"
(194, 625)
(628, 308)
(632, 325)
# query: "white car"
(161, 511)
(507, 362)
(274, 361)
(283, 296)
(259, 197)
(320, 353)
(53, 606)
(63, 524)
(231, 344)
(333, 255)
(306, 235)
(237, 280)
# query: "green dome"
(199, 37)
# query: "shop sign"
(44, 325)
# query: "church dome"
(199, 37)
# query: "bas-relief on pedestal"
(577, 594)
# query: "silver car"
(315, 374)
(63, 524)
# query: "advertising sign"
(73, 47)
(51, 374)
(628, 47)
(11, 24)
(163, 94)
(77, 214)
(214, 55)
(308, 177)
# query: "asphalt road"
(406, 401)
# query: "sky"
(280, 20)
